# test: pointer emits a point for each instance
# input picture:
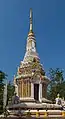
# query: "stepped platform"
(36, 110)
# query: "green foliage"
(57, 84)
(10, 90)
(2, 77)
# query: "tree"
(10, 91)
(57, 84)
(2, 77)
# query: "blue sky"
(49, 29)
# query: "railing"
(40, 113)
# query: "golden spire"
(31, 26)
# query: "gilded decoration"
(24, 88)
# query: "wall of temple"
(24, 88)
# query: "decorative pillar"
(22, 89)
(16, 89)
(32, 90)
(40, 92)
(19, 87)
(28, 88)
(16, 86)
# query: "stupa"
(30, 82)
(31, 85)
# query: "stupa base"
(36, 110)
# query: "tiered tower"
(30, 81)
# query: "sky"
(48, 26)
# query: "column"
(22, 89)
(40, 92)
(28, 88)
(17, 90)
(32, 90)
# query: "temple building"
(30, 81)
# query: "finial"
(31, 19)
